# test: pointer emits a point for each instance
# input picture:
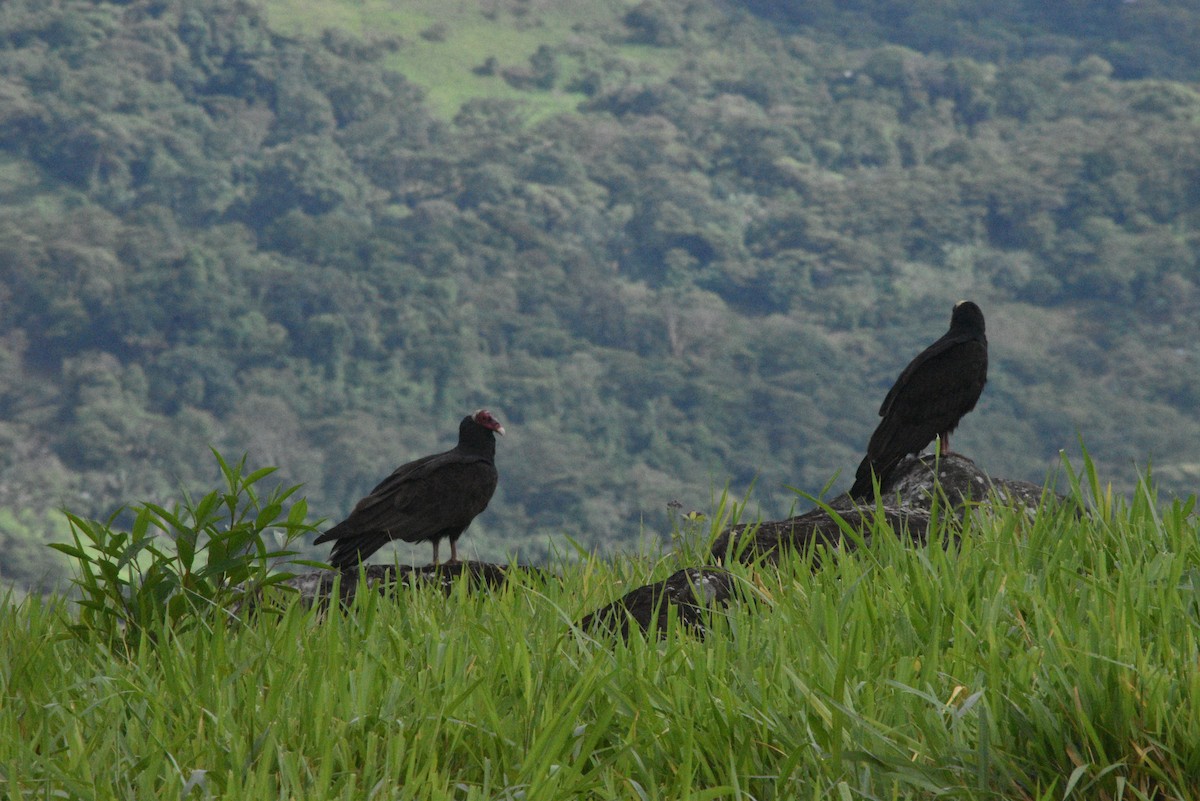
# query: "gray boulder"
(952, 483)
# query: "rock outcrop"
(317, 587)
(951, 484)
(817, 531)
(692, 593)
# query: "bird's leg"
(453, 551)
(435, 550)
(944, 443)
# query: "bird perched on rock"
(929, 398)
(428, 500)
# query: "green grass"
(443, 68)
(1050, 658)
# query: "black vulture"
(928, 399)
(433, 498)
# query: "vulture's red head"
(488, 420)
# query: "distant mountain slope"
(1140, 38)
(673, 250)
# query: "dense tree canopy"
(679, 248)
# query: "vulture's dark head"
(967, 317)
(488, 420)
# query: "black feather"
(427, 500)
(928, 400)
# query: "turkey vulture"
(929, 398)
(429, 499)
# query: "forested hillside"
(672, 246)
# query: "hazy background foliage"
(672, 246)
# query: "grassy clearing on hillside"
(1051, 657)
(443, 64)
